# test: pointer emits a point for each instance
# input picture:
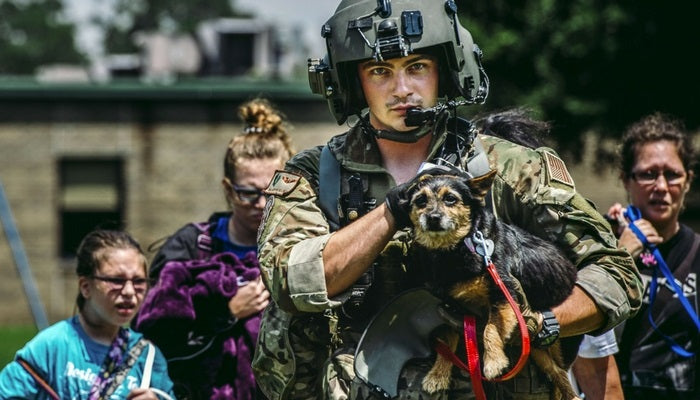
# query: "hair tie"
(253, 129)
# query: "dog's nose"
(433, 222)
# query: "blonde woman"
(205, 310)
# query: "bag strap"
(204, 240)
(134, 355)
(148, 368)
(41, 381)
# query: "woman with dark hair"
(205, 310)
(93, 355)
(658, 347)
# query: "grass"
(13, 338)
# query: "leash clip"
(483, 247)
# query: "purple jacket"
(186, 314)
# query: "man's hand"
(250, 299)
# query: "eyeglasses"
(248, 194)
(650, 177)
(117, 284)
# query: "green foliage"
(587, 64)
(12, 338)
(158, 15)
(33, 33)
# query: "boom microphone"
(417, 116)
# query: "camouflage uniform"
(305, 351)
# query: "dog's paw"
(435, 382)
(495, 366)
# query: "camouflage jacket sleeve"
(535, 191)
(291, 239)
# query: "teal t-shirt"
(69, 361)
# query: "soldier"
(335, 235)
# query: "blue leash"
(633, 214)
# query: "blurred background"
(117, 112)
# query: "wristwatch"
(549, 332)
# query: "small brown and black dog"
(446, 209)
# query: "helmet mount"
(361, 30)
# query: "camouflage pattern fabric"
(300, 329)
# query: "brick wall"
(173, 174)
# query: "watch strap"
(550, 330)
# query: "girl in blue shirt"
(94, 355)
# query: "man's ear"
(481, 185)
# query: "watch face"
(548, 340)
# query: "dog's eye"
(421, 201)
(450, 199)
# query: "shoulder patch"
(556, 169)
(282, 183)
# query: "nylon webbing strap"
(478, 164)
(329, 187)
(633, 214)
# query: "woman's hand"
(628, 239)
(250, 299)
(626, 236)
(616, 213)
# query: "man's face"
(393, 86)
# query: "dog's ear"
(481, 185)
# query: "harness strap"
(633, 214)
(478, 164)
(355, 197)
(329, 187)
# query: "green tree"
(34, 33)
(587, 64)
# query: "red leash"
(470, 339)
(524, 334)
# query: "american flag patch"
(557, 169)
